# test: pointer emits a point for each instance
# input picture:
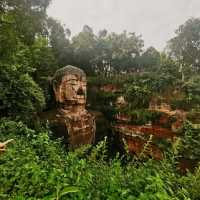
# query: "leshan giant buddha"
(70, 118)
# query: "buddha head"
(69, 86)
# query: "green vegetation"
(189, 144)
(38, 166)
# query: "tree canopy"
(185, 46)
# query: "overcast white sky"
(155, 20)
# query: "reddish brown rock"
(136, 138)
(120, 117)
(138, 146)
(167, 114)
(110, 88)
(70, 119)
(156, 131)
(165, 127)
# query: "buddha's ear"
(55, 89)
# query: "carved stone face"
(71, 89)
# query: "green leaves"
(20, 95)
(185, 45)
(35, 167)
(66, 190)
(138, 96)
(24, 54)
(190, 142)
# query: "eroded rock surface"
(110, 88)
(164, 128)
(70, 119)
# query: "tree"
(42, 60)
(116, 51)
(125, 47)
(102, 33)
(21, 22)
(20, 96)
(83, 46)
(28, 17)
(60, 44)
(150, 59)
(185, 46)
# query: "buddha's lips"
(81, 96)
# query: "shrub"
(189, 146)
(138, 96)
(19, 94)
(35, 167)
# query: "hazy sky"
(155, 20)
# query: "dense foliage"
(36, 167)
(185, 45)
(189, 144)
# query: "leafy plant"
(138, 96)
(19, 94)
(35, 167)
(190, 142)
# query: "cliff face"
(138, 137)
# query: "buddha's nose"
(80, 91)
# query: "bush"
(189, 146)
(35, 167)
(138, 96)
(191, 183)
(19, 94)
